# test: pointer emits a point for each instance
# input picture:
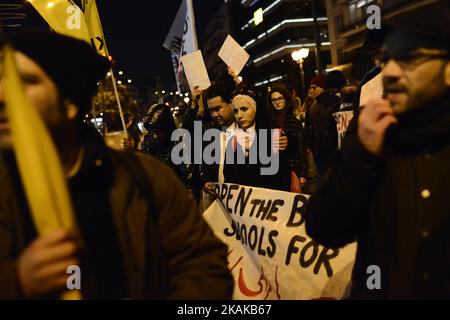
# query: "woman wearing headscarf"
(244, 147)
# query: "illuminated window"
(258, 16)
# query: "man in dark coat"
(140, 235)
(320, 126)
(388, 189)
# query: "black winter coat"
(396, 206)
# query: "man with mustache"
(388, 189)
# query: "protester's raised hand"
(196, 93)
(233, 74)
(42, 267)
(208, 188)
(373, 121)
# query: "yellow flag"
(63, 16)
(39, 165)
(94, 26)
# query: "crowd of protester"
(385, 188)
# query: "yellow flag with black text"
(94, 26)
(63, 16)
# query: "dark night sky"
(135, 31)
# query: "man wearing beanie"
(317, 85)
(388, 189)
(320, 126)
(140, 236)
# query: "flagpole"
(194, 32)
(113, 79)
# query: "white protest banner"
(342, 119)
(195, 70)
(233, 55)
(269, 253)
(182, 37)
(371, 90)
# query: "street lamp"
(299, 56)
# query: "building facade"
(347, 24)
(286, 26)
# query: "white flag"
(182, 37)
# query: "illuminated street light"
(163, 92)
(299, 56)
(119, 82)
(120, 73)
(129, 81)
(187, 99)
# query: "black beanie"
(335, 79)
(425, 24)
(72, 64)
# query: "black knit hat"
(72, 64)
(335, 79)
(423, 23)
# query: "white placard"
(195, 70)
(233, 55)
(371, 90)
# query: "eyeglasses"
(409, 60)
(280, 99)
